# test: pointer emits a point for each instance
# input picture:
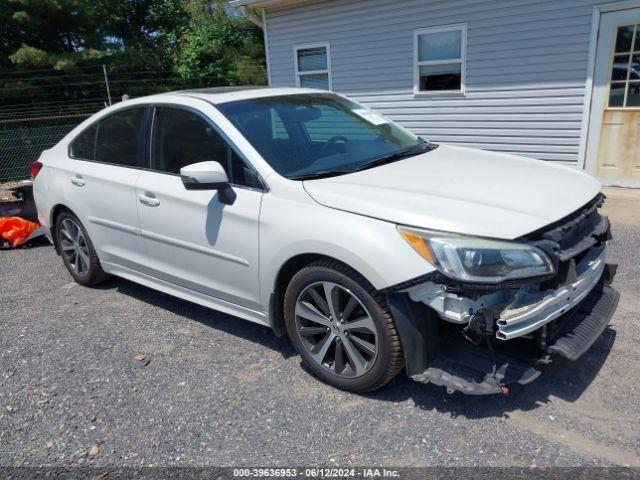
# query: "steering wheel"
(330, 142)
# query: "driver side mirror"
(208, 176)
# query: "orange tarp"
(16, 230)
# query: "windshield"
(311, 135)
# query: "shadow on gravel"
(37, 242)
(562, 379)
(211, 318)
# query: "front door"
(192, 238)
(616, 101)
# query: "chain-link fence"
(39, 107)
(22, 143)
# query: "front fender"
(372, 247)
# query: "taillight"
(34, 169)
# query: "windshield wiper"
(422, 147)
(316, 175)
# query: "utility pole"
(106, 82)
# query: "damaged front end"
(478, 338)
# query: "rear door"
(191, 238)
(102, 171)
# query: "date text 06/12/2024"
(317, 472)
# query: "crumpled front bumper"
(520, 312)
(495, 335)
(458, 365)
(531, 309)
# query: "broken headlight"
(480, 260)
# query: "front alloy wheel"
(341, 327)
(336, 329)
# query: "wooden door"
(618, 81)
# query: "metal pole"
(106, 82)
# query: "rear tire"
(77, 251)
(341, 327)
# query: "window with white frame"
(439, 54)
(313, 66)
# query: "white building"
(557, 80)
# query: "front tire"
(77, 251)
(341, 327)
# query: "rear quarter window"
(84, 145)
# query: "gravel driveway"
(215, 390)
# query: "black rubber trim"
(467, 368)
(429, 277)
(600, 230)
(610, 270)
(557, 226)
(275, 313)
(587, 324)
(417, 328)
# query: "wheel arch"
(55, 213)
(286, 272)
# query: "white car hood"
(462, 190)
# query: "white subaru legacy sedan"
(373, 249)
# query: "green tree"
(144, 33)
(51, 32)
(221, 47)
(10, 35)
(199, 42)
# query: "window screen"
(440, 59)
(312, 67)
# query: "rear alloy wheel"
(341, 327)
(73, 246)
(77, 251)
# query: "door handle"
(78, 181)
(148, 201)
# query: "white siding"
(526, 66)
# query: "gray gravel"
(220, 391)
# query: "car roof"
(228, 94)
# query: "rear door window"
(114, 139)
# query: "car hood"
(462, 190)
